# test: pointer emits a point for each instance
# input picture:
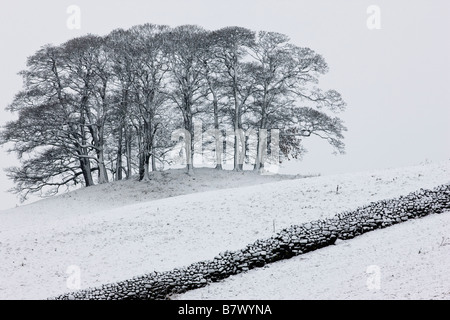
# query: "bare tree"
(88, 74)
(231, 45)
(188, 86)
(215, 80)
(48, 136)
(285, 76)
(121, 54)
(93, 101)
(150, 67)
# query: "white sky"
(395, 80)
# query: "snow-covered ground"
(407, 261)
(116, 231)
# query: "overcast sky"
(395, 80)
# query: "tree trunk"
(236, 131)
(99, 143)
(147, 153)
(103, 174)
(141, 157)
(153, 160)
(148, 138)
(261, 150)
(146, 168)
(262, 138)
(85, 166)
(96, 128)
(141, 167)
(217, 136)
(243, 147)
(189, 147)
(189, 141)
(119, 163)
(128, 151)
(257, 159)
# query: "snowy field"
(116, 231)
(413, 260)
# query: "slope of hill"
(120, 230)
(410, 260)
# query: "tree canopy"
(96, 109)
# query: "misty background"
(395, 80)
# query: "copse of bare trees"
(96, 109)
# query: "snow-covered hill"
(120, 230)
(410, 260)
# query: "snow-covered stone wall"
(290, 242)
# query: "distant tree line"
(96, 109)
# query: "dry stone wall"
(290, 242)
